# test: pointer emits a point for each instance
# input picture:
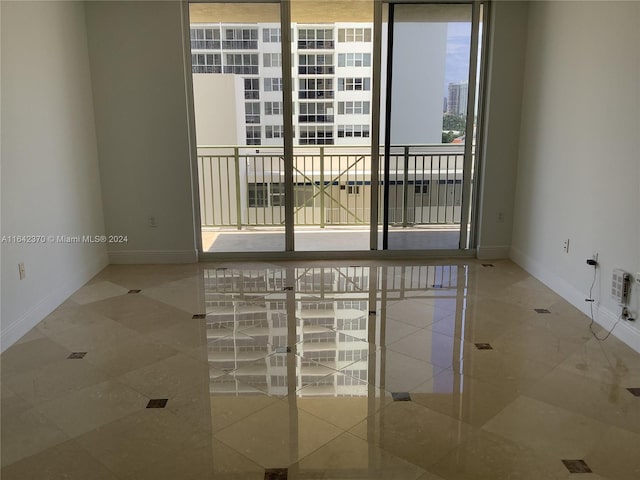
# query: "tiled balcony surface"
(263, 371)
(330, 239)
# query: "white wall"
(579, 166)
(50, 178)
(140, 99)
(215, 99)
(504, 76)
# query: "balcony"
(242, 196)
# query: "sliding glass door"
(430, 125)
(335, 126)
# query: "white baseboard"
(132, 257)
(493, 252)
(58, 294)
(603, 316)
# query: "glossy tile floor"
(441, 371)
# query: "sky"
(458, 47)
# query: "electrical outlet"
(565, 246)
(153, 223)
(637, 278)
(500, 217)
(21, 272)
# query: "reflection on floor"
(428, 238)
(441, 371)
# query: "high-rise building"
(457, 101)
(331, 73)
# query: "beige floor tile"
(609, 404)
(228, 464)
(403, 373)
(605, 363)
(429, 346)
(227, 410)
(494, 366)
(93, 334)
(547, 428)
(146, 276)
(348, 456)
(464, 398)
(12, 404)
(26, 434)
(186, 294)
(54, 380)
(189, 337)
(64, 461)
(279, 435)
(119, 359)
(147, 439)
(413, 432)
(616, 455)
(167, 377)
(98, 291)
(346, 410)
(86, 409)
(489, 457)
(395, 330)
(419, 314)
(24, 357)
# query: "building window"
(315, 88)
(253, 135)
(347, 131)
(316, 135)
(206, 63)
(315, 112)
(272, 84)
(354, 60)
(240, 38)
(354, 84)
(274, 131)
(318, 64)
(311, 38)
(206, 38)
(271, 35)
(252, 112)
(251, 88)
(273, 108)
(241, 63)
(354, 35)
(353, 108)
(265, 194)
(272, 59)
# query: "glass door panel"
(428, 50)
(236, 62)
(332, 47)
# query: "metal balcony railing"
(244, 187)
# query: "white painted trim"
(49, 303)
(493, 252)
(603, 316)
(132, 257)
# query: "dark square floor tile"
(134, 291)
(77, 355)
(576, 466)
(401, 396)
(484, 346)
(634, 391)
(287, 289)
(283, 349)
(276, 473)
(488, 265)
(157, 403)
(541, 310)
(372, 312)
(199, 316)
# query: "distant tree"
(447, 137)
(454, 122)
